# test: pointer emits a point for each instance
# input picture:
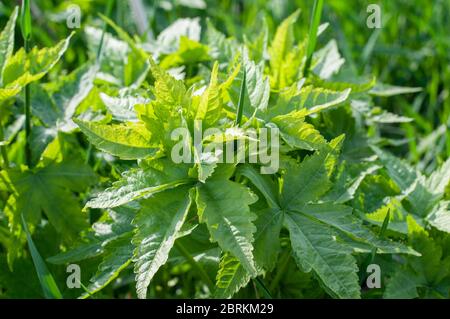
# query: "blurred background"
(412, 48)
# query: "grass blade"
(48, 284)
(312, 39)
(105, 28)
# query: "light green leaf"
(71, 91)
(41, 190)
(118, 255)
(424, 277)
(9, 92)
(401, 172)
(309, 180)
(158, 225)
(224, 206)
(129, 142)
(164, 114)
(440, 216)
(328, 61)
(231, 277)
(385, 90)
(411, 182)
(388, 117)
(122, 107)
(168, 40)
(113, 233)
(262, 182)
(279, 50)
(77, 254)
(220, 48)
(341, 218)
(43, 106)
(298, 133)
(267, 238)
(209, 110)
(317, 100)
(257, 86)
(137, 183)
(402, 285)
(439, 179)
(190, 52)
(358, 86)
(7, 43)
(315, 248)
(23, 68)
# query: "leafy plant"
(301, 215)
(223, 197)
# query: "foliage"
(102, 123)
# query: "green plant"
(30, 188)
(153, 134)
(244, 212)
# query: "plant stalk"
(105, 28)
(3, 148)
(195, 265)
(26, 26)
(240, 109)
(281, 270)
(99, 60)
(263, 287)
(27, 112)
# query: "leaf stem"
(195, 265)
(263, 287)
(281, 270)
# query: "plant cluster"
(87, 175)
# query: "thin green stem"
(312, 39)
(105, 28)
(27, 112)
(240, 109)
(26, 27)
(195, 265)
(3, 148)
(88, 153)
(108, 12)
(263, 287)
(281, 269)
